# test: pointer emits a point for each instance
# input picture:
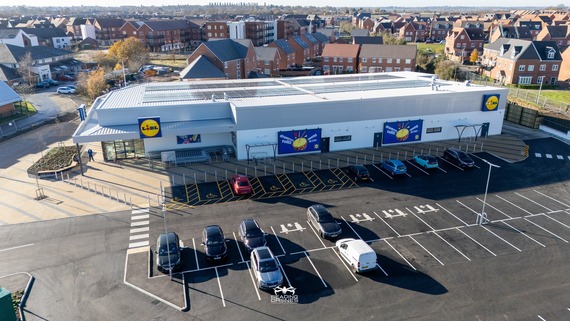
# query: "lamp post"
(483, 215)
(539, 89)
(166, 231)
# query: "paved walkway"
(114, 186)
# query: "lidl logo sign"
(150, 127)
(490, 102)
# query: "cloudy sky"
(343, 3)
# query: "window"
(346, 138)
(521, 68)
(209, 27)
(238, 75)
(237, 64)
(364, 69)
(340, 59)
(349, 60)
(462, 37)
(472, 45)
(530, 67)
(551, 53)
(335, 59)
(326, 59)
(542, 68)
(398, 60)
(408, 61)
(389, 60)
(525, 80)
(379, 60)
(433, 130)
(226, 65)
(554, 67)
(458, 45)
(373, 60)
(364, 60)
(539, 79)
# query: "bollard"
(429, 151)
(274, 169)
(195, 183)
(88, 187)
(356, 160)
(157, 199)
(405, 155)
(148, 200)
(481, 146)
(68, 178)
(81, 181)
(205, 177)
(390, 155)
(398, 155)
(265, 170)
(381, 157)
(236, 171)
(302, 166)
(184, 179)
(372, 158)
(347, 160)
(216, 175)
(337, 162)
(283, 168)
(311, 166)
(364, 159)
(255, 171)
(329, 164)
(226, 174)
(245, 171)
(436, 151)
(293, 168)
(125, 195)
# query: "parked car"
(42, 84)
(265, 268)
(358, 172)
(358, 254)
(426, 161)
(168, 252)
(251, 234)
(323, 221)
(394, 166)
(66, 78)
(214, 243)
(240, 185)
(52, 82)
(72, 87)
(65, 90)
(458, 157)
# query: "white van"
(358, 254)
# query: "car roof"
(171, 236)
(239, 177)
(319, 208)
(250, 224)
(359, 167)
(396, 161)
(213, 230)
(263, 252)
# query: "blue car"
(426, 161)
(394, 166)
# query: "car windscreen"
(255, 232)
(241, 184)
(164, 249)
(214, 241)
(325, 218)
(464, 157)
(267, 266)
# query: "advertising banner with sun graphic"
(490, 102)
(299, 141)
(402, 131)
(149, 127)
(188, 139)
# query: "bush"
(56, 158)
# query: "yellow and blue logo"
(149, 127)
(490, 102)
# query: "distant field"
(562, 96)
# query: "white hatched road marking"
(474, 240)
(566, 205)
(387, 224)
(139, 223)
(138, 237)
(523, 233)
(513, 204)
(220, 286)
(138, 230)
(460, 220)
(138, 244)
(140, 217)
(400, 254)
(418, 243)
(539, 155)
(315, 268)
(488, 230)
(453, 247)
(541, 318)
(548, 156)
(491, 206)
(544, 229)
(534, 202)
(560, 157)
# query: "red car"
(66, 78)
(240, 184)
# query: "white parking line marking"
(382, 171)
(220, 286)
(491, 206)
(400, 254)
(515, 205)
(387, 224)
(541, 318)
(253, 281)
(523, 233)
(349, 271)
(138, 244)
(474, 240)
(202, 269)
(552, 218)
(139, 223)
(450, 163)
(441, 169)
(416, 166)
(566, 205)
(283, 270)
(317, 235)
(460, 220)
(238, 247)
(351, 228)
(418, 243)
(381, 269)
(195, 254)
(467, 207)
(453, 247)
(534, 202)
(414, 214)
(488, 230)
(140, 211)
(539, 155)
(277, 237)
(138, 230)
(544, 229)
(138, 237)
(315, 268)
(16, 247)
(312, 250)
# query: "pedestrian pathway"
(139, 228)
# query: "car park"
(426, 161)
(240, 185)
(214, 243)
(265, 268)
(358, 254)
(323, 221)
(42, 84)
(52, 82)
(168, 252)
(65, 90)
(458, 157)
(358, 172)
(251, 234)
(394, 166)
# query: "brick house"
(511, 32)
(268, 60)
(564, 74)
(286, 52)
(461, 42)
(514, 61)
(49, 37)
(558, 34)
(439, 30)
(302, 49)
(340, 58)
(413, 31)
(216, 30)
(235, 57)
(108, 30)
(534, 26)
(383, 58)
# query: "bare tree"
(26, 69)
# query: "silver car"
(265, 268)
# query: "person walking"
(90, 153)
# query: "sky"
(318, 3)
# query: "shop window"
(345, 138)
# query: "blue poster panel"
(188, 139)
(402, 131)
(490, 102)
(299, 141)
(149, 127)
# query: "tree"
(389, 39)
(474, 56)
(26, 69)
(95, 83)
(346, 27)
(446, 69)
(129, 49)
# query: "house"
(73, 28)
(108, 30)
(340, 58)
(461, 42)
(523, 62)
(534, 27)
(17, 37)
(216, 30)
(302, 49)
(8, 97)
(564, 74)
(286, 52)
(384, 58)
(234, 57)
(413, 31)
(323, 40)
(382, 27)
(439, 30)
(329, 33)
(10, 75)
(512, 32)
(49, 37)
(200, 69)
(268, 60)
(558, 34)
(259, 32)
(162, 35)
(368, 40)
(315, 48)
(46, 61)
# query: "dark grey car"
(168, 252)
(214, 243)
(251, 234)
(458, 157)
(323, 221)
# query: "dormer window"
(550, 54)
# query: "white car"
(65, 90)
(358, 254)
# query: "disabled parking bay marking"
(357, 218)
(291, 228)
(394, 213)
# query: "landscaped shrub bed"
(56, 158)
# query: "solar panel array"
(332, 88)
(153, 97)
(328, 80)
